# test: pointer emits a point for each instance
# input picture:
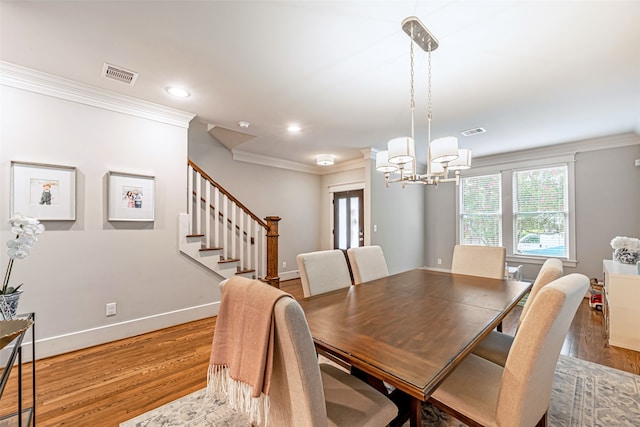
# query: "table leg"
(415, 412)
(369, 379)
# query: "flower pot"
(9, 305)
(626, 256)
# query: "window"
(526, 207)
(481, 211)
(540, 211)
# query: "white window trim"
(506, 171)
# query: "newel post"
(272, 251)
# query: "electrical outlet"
(111, 309)
(284, 264)
(439, 261)
(375, 228)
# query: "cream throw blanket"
(242, 352)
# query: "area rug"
(584, 395)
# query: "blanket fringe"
(238, 395)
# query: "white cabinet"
(622, 304)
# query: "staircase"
(220, 233)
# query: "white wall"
(78, 266)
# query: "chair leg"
(543, 421)
(499, 327)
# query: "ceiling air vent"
(119, 74)
(473, 131)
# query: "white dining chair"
(496, 346)
(482, 261)
(367, 263)
(480, 393)
(323, 271)
(305, 393)
(515, 273)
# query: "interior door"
(348, 219)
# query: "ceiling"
(532, 73)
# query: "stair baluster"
(221, 233)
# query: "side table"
(13, 355)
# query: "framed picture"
(45, 192)
(131, 197)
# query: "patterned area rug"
(584, 395)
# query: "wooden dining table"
(410, 329)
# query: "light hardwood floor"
(111, 383)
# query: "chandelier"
(443, 154)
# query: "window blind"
(481, 210)
(540, 211)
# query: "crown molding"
(564, 149)
(259, 159)
(47, 84)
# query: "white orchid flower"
(26, 230)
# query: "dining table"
(409, 330)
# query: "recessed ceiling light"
(243, 124)
(178, 91)
(293, 128)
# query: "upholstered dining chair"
(495, 347)
(323, 271)
(515, 273)
(367, 263)
(480, 393)
(482, 261)
(305, 393)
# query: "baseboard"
(60, 344)
(289, 275)
(442, 270)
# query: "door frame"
(339, 188)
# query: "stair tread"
(228, 260)
(248, 270)
(195, 235)
(210, 249)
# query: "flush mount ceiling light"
(325, 159)
(294, 128)
(178, 91)
(443, 154)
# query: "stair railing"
(227, 225)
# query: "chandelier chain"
(429, 89)
(412, 103)
(443, 154)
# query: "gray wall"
(399, 214)
(440, 225)
(78, 266)
(267, 191)
(607, 205)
